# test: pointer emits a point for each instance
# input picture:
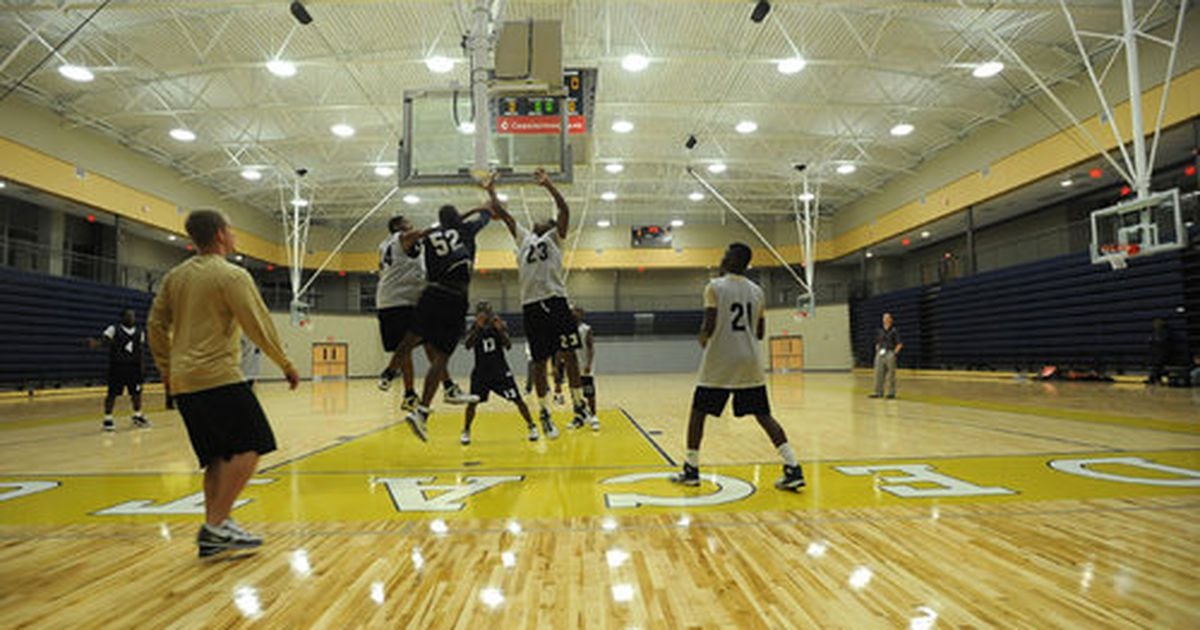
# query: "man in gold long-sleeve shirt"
(195, 325)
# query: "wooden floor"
(968, 502)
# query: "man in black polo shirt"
(887, 346)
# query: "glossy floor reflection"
(967, 502)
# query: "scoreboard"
(543, 114)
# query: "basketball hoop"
(1116, 261)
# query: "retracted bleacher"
(44, 321)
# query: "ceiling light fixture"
(502, 197)
(76, 73)
(439, 64)
(608, 195)
(614, 168)
(172, 238)
(383, 170)
(696, 196)
(622, 126)
(412, 199)
(717, 168)
(902, 129)
(791, 65)
(251, 174)
(634, 62)
(846, 169)
(182, 135)
(870, 254)
(1066, 183)
(676, 222)
(466, 128)
(281, 68)
(806, 196)
(300, 203)
(603, 223)
(989, 69)
(925, 234)
(746, 126)
(342, 130)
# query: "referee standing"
(887, 346)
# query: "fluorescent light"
(717, 167)
(676, 222)
(902, 129)
(807, 196)
(383, 170)
(696, 196)
(239, 258)
(440, 65)
(792, 65)
(635, 63)
(76, 73)
(989, 69)
(608, 195)
(466, 128)
(300, 203)
(502, 196)
(603, 223)
(870, 254)
(182, 135)
(925, 234)
(746, 126)
(172, 238)
(251, 174)
(412, 199)
(281, 68)
(622, 126)
(1066, 183)
(342, 130)
(846, 169)
(614, 168)
(3, 185)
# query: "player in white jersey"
(732, 332)
(549, 325)
(587, 356)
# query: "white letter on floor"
(191, 504)
(408, 493)
(25, 488)
(1187, 478)
(922, 473)
(729, 489)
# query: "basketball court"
(979, 496)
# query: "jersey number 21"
(741, 315)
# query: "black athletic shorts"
(589, 385)
(225, 421)
(441, 317)
(751, 401)
(125, 378)
(503, 383)
(550, 327)
(393, 323)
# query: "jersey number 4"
(444, 242)
(537, 251)
(489, 345)
(741, 315)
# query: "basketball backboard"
(1141, 227)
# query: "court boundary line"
(648, 437)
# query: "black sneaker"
(385, 382)
(141, 422)
(548, 428)
(689, 477)
(792, 479)
(411, 402)
(109, 426)
(214, 540)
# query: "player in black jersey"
(125, 342)
(449, 252)
(489, 339)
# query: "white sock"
(544, 402)
(692, 458)
(577, 396)
(137, 414)
(108, 417)
(785, 451)
(424, 410)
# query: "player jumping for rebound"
(489, 339)
(733, 328)
(549, 324)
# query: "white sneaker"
(417, 421)
(240, 534)
(548, 425)
(141, 422)
(465, 438)
(385, 383)
(533, 433)
(593, 421)
(456, 396)
(559, 400)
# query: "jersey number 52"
(444, 242)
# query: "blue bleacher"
(44, 321)
(1061, 311)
